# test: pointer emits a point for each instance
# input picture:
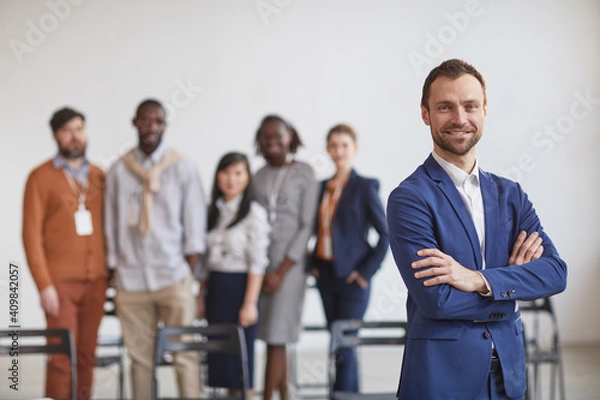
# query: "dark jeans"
(342, 301)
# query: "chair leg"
(536, 387)
(561, 380)
(121, 388)
(553, 381)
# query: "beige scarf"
(151, 182)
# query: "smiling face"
(71, 139)
(150, 122)
(341, 147)
(233, 180)
(456, 116)
(275, 140)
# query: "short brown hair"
(342, 128)
(62, 116)
(452, 69)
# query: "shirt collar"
(59, 161)
(230, 205)
(457, 175)
(154, 157)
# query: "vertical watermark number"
(14, 325)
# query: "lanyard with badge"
(83, 216)
(276, 189)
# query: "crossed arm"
(445, 270)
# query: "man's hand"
(526, 249)
(355, 276)
(248, 314)
(445, 270)
(49, 300)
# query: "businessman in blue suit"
(468, 245)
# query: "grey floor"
(379, 373)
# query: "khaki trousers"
(139, 313)
(81, 307)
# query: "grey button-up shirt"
(178, 227)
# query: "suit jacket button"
(503, 294)
(502, 315)
(486, 335)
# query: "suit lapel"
(489, 192)
(446, 186)
(349, 188)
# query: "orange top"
(329, 203)
(54, 250)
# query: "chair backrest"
(347, 334)
(535, 313)
(216, 338)
(57, 341)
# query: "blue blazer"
(448, 352)
(358, 210)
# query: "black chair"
(349, 334)
(113, 343)
(56, 341)
(542, 346)
(217, 338)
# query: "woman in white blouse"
(234, 264)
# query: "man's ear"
(425, 115)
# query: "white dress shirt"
(155, 261)
(242, 247)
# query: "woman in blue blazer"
(343, 261)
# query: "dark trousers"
(342, 301)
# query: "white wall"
(317, 63)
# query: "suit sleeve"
(297, 247)
(33, 233)
(193, 212)
(539, 278)
(412, 227)
(111, 218)
(376, 218)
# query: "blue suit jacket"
(358, 210)
(448, 352)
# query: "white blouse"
(241, 248)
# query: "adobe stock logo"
(48, 23)
(435, 45)
(546, 138)
(266, 8)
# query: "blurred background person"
(233, 266)
(343, 260)
(64, 244)
(155, 233)
(288, 190)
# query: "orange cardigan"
(54, 250)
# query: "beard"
(72, 150)
(150, 139)
(451, 146)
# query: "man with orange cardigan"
(64, 242)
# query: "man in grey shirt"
(155, 223)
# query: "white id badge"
(83, 221)
(133, 214)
